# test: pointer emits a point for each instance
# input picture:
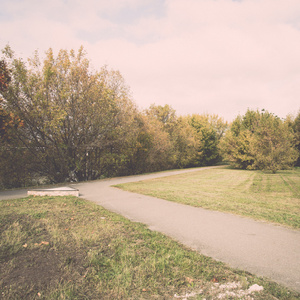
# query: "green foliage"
(8, 123)
(7, 120)
(209, 129)
(259, 141)
(76, 122)
(4, 76)
(295, 125)
(186, 144)
(61, 121)
(164, 114)
(152, 146)
(273, 146)
(79, 124)
(236, 149)
(183, 140)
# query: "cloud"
(214, 56)
(223, 56)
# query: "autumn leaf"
(189, 280)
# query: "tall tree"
(185, 144)
(273, 146)
(152, 146)
(236, 149)
(4, 76)
(259, 141)
(294, 125)
(296, 128)
(11, 174)
(209, 130)
(7, 120)
(182, 137)
(76, 121)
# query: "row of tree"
(61, 121)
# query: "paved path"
(257, 247)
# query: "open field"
(263, 196)
(69, 248)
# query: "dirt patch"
(33, 268)
(31, 271)
(34, 264)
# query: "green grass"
(69, 248)
(263, 196)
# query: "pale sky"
(199, 56)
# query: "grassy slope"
(263, 196)
(68, 248)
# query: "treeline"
(62, 121)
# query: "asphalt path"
(257, 247)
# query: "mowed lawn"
(256, 194)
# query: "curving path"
(257, 247)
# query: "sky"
(198, 56)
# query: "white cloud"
(215, 56)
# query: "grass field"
(263, 196)
(69, 248)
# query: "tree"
(273, 147)
(164, 114)
(235, 145)
(185, 144)
(259, 141)
(295, 125)
(4, 76)
(76, 121)
(182, 137)
(151, 147)
(7, 120)
(10, 173)
(236, 149)
(209, 129)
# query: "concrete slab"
(60, 191)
